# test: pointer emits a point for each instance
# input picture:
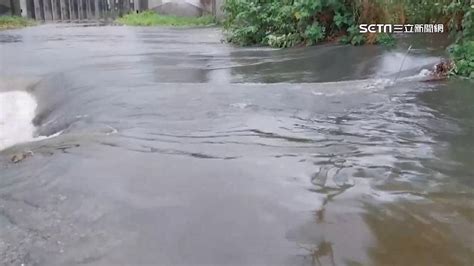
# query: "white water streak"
(17, 110)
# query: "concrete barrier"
(13, 7)
(192, 8)
(189, 8)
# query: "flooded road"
(155, 146)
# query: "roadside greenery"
(462, 52)
(151, 18)
(11, 22)
(287, 23)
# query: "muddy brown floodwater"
(158, 146)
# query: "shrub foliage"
(286, 23)
(462, 52)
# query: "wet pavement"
(170, 147)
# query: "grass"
(12, 22)
(151, 18)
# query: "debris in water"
(21, 156)
(441, 70)
(444, 68)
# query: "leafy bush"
(315, 33)
(428, 11)
(463, 57)
(386, 40)
(285, 23)
(462, 52)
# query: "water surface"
(172, 148)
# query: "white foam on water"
(17, 110)
(425, 73)
(392, 63)
(379, 83)
(363, 188)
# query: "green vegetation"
(462, 52)
(151, 18)
(287, 23)
(386, 40)
(9, 22)
(463, 57)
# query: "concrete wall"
(7, 9)
(23, 8)
(219, 12)
(189, 8)
(193, 8)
